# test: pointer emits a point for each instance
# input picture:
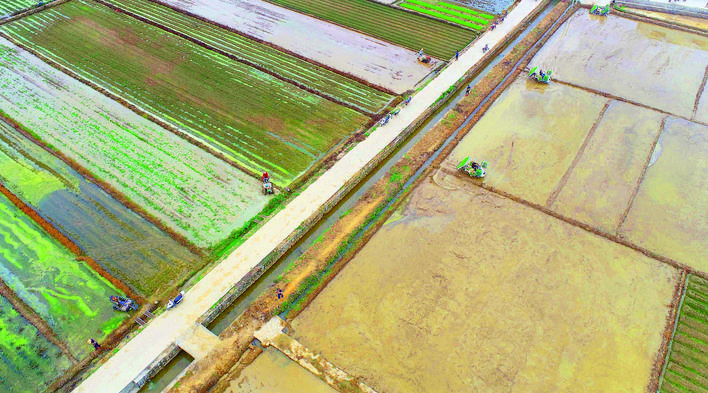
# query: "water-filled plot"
(463, 290)
(530, 137)
(64, 291)
(28, 360)
(668, 214)
(189, 190)
(262, 122)
(122, 242)
(641, 62)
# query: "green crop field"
(475, 21)
(262, 122)
(70, 296)
(687, 366)
(28, 360)
(290, 67)
(399, 27)
(10, 7)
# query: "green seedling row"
(465, 10)
(11, 7)
(441, 16)
(450, 12)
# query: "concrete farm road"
(125, 366)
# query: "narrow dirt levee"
(373, 60)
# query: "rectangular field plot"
(28, 362)
(11, 7)
(446, 12)
(71, 297)
(641, 62)
(191, 191)
(287, 66)
(530, 136)
(123, 243)
(668, 214)
(385, 64)
(603, 180)
(687, 366)
(262, 122)
(402, 28)
(465, 291)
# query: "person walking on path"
(457, 55)
(96, 345)
(279, 293)
(467, 91)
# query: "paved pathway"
(174, 325)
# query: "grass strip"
(448, 11)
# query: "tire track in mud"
(236, 58)
(699, 94)
(35, 320)
(628, 101)
(647, 162)
(578, 156)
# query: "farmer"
(265, 177)
(96, 345)
(279, 293)
(457, 55)
(467, 91)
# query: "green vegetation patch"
(394, 25)
(28, 362)
(687, 365)
(71, 297)
(290, 67)
(462, 18)
(465, 10)
(260, 121)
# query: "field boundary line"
(35, 320)
(578, 155)
(69, 244)
(662, 359)
(626, 100)
(579, 224)
(276, 47)
(135, 108)
(236, 58)
(640, 179)
(700, 93)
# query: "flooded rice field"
(191, 191)
(273, 372)
(669, 212)
(463, 290)
(385, 64)
(123, 243)
(641, 62)
(65, 292)
(28, 360)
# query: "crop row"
(394, 25)
(444, 16)
(190, 191)
(10, 7)
(465, 10)
(687, 367)
(258, 120)
(451, 13)
(122, 242)
(290, 67)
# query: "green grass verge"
(290, 67)
(452, 13)
(258, 120)
(391, 24)
(687, 365)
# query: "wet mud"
(463, 290)
(273, 372)
(123, 243)
(600, 186)
(641, 62)
(530, 137)
(669, 212)
(71, 297)
(28, 360)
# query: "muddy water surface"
(652, 65)
(273, 372)
(530, 136)
(603, 180)
(669, 212)
(125, 244)
(465, 291)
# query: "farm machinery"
(476, 170)
(540, 76)
(121, 303)
(599, 10)
(267, 185)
